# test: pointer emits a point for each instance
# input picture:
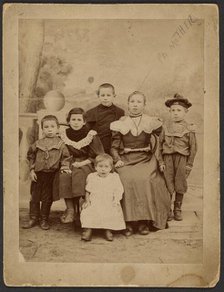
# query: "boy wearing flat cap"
(178, 148)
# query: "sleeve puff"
(154, 125)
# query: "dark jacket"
(178, 138)
(99, 119)
(48, 155)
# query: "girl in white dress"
(102, 209)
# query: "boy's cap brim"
(178, 101)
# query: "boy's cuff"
(64, 168)
(91, 159)
(189, 167)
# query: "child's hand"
(33, 175)
(162, 167)
(66, 171)
(119, 163)
(77, 164)
(188, 171)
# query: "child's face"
(106, 96)
(177, 112)
(103, 168)
(76, 121)
(50, 128)
(136, 104)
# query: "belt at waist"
(145, 149)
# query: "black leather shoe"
(178, 215)
(143, 229)
(30, 224)
(109, 235)
(170, 216)
(153, 228)
(44, 225)
(87, 234)
(128, 231)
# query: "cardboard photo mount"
(20, 273)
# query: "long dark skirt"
(145, 194)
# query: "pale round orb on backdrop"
(54, 101)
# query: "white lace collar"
(80, 144)
(147, 124)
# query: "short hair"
(106, 85)
(49, 118)
(137, 92)
(103, 157)
(76, 111)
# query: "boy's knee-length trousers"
(175, 172)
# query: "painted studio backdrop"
(158, 57)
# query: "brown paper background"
(18, 273)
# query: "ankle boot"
(177, 207)
(143, 228)
(177, 211)
(87, 234)
(129, 230)
(44, 224)
(44, 215)
(109, 235)
(34, 215)
(31, 223)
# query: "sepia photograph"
(111, 142)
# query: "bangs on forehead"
(80, 115)
(76, 111)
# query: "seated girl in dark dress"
(84, 145)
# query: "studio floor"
(182, 242)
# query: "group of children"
(77, 165)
